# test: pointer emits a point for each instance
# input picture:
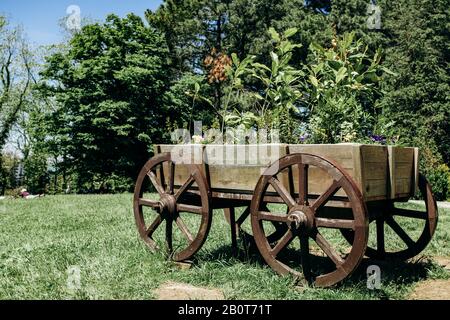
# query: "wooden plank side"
(403, 168)
(342, 154)
(391, 157)
(374, 172)
(416, 170)
(228, 167)
(380, 172)
(242, 165)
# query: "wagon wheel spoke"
(380, 237)
(162, 179)
(279, 227)
(171, 177)
(148, 203)
(189, 208)
(409, 213)
(400, 232)
(324, 197)
(303, 184)
(185, 187)
(155, 183)
(335, 223)
(304, 251)
(152, 228)
(283, 242)
(169, 228)
(243, 216)
(184, 229)
(273, 217)
(281, 190)
(327, 248)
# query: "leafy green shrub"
(15, 193)
(439, 178)
(343, 85)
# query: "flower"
(304, 136)
(378, 138)
(197, 139)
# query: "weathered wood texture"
(381, 172)
(403, 171)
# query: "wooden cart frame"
(344, 187)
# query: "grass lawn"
(41, 239)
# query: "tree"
(418, 99)
(108, 86)
(16, 73)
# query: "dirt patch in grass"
(432, 290)
(444, 262)
(182, 291)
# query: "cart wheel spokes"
(403, 233)
(186, 217)
(317, 255)
(278, 229)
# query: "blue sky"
(39, 18)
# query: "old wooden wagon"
(308, 208)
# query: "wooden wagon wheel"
(386, 218)
(304, 221)
(169, 205)
(279, 227)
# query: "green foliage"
(343, 87)
(186, 102)
(417, 49)
(439, 179)
(36, 173)
(119, 86)
(16, 68)
(281, 83)
(9, 165)
(109, 85)
(278, 83)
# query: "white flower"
(197, 139)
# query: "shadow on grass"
(393, 273)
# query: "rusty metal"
(304, 223)
(168, 207)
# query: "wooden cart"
(325, 196)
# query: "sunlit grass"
(41, 239)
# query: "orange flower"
(217, 64)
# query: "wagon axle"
(167, 205)
(301, 217)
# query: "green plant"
(343, 85)
(439, 179)
(281, 82)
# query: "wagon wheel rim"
(387, 219)
(304, 223)
(169, 206)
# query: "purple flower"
(378, 138)
(304, 137)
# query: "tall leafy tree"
(16, 77)
(108, 86)
(418, 99)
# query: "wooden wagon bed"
(381, 172)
